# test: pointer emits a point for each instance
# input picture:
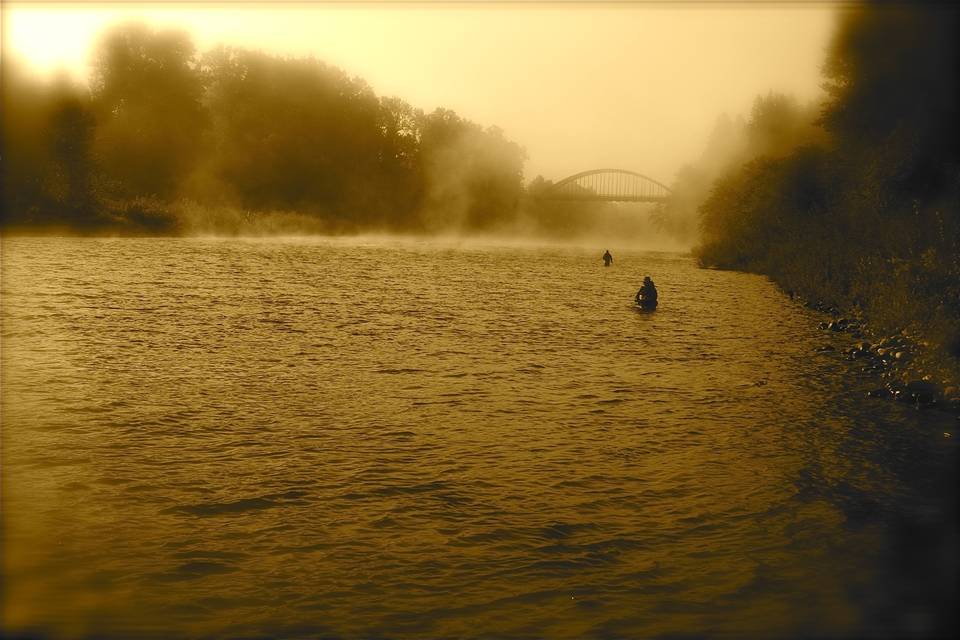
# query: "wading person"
(647, 295)
(607, 258)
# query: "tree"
(71, 131)
(147, 90)
(292, 134)
(474, 176)
(47, 161)
(870, 220)
(891, 76)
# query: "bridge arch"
(610, 185)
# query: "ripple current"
(349, 438)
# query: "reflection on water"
(302, 438)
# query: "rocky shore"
(906, 367)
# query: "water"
(348, 438)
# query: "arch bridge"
(608, 185)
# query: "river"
(358, 438)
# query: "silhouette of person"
(647, 293)
(607, 258)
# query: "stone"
(922, 392)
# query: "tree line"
(853, 202)
(166, 139)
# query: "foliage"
(563, 219)
(474, 175)
(778, 124)
(237, 130)
(146, 92)
(864, 213)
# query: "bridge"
(608, 185)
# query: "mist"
(166, 139)
(164, 125)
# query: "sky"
(629, 85)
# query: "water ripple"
(325, 438)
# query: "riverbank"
(907, 366)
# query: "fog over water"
(326, 118)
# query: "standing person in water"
(607, 258)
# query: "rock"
(859, 350)
(920, 392)
(951, 400)
(891, 342)
(923, 385)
